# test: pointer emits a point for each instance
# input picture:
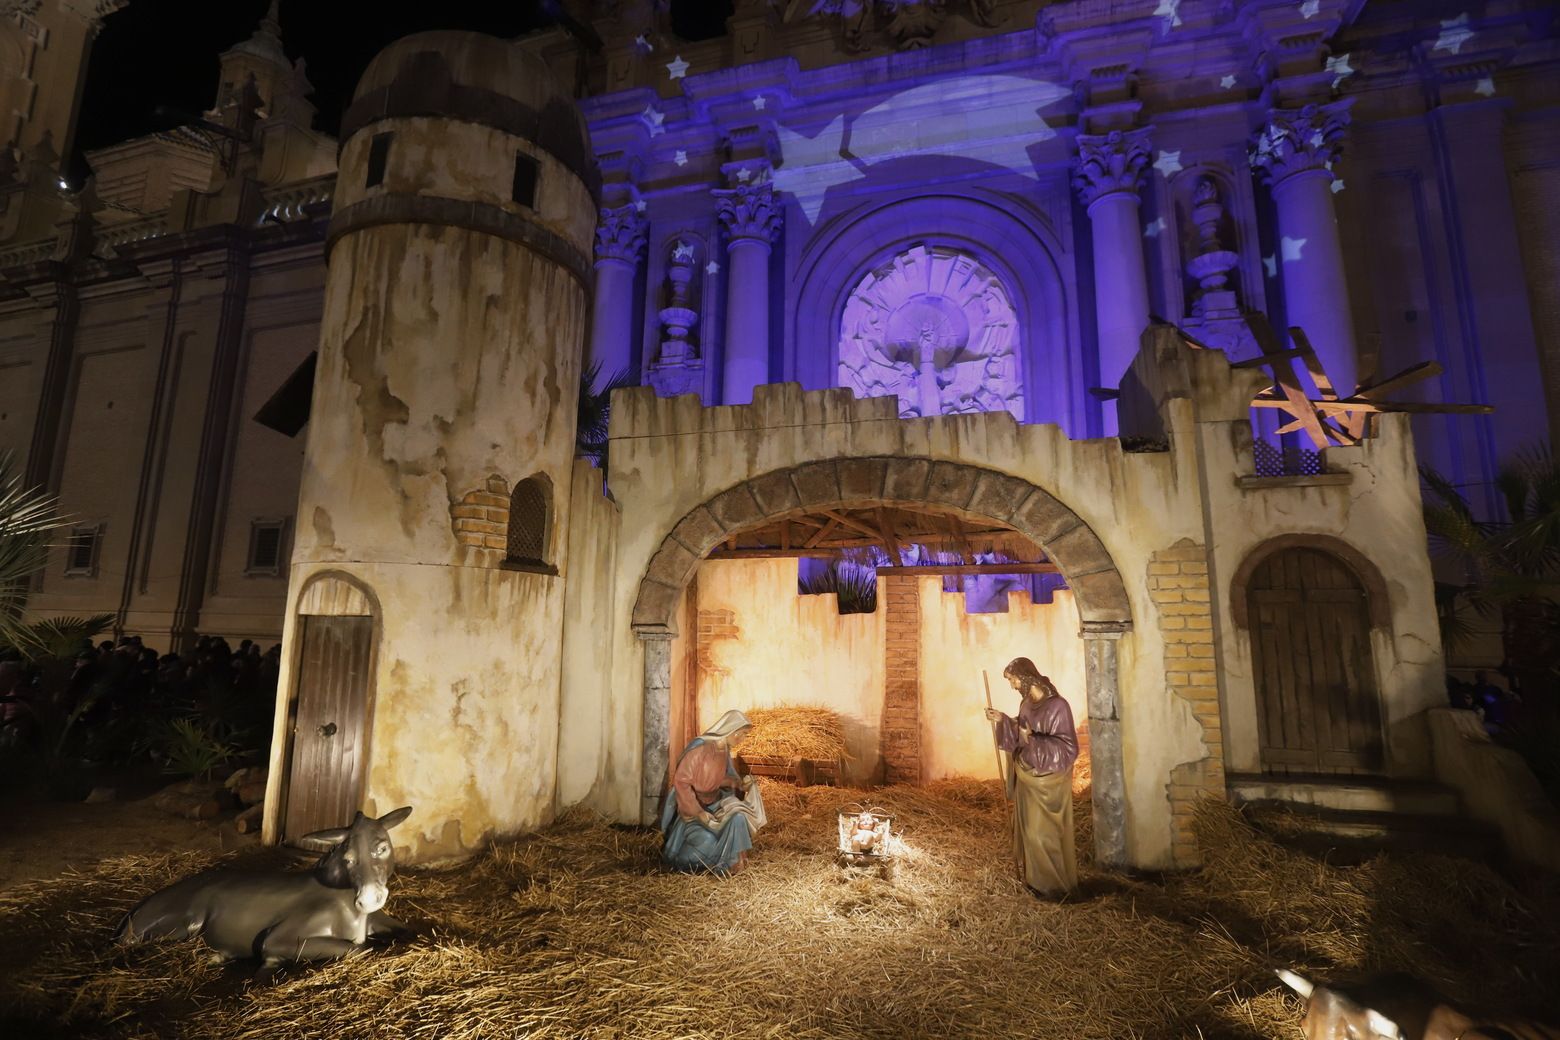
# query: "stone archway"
(968, 491)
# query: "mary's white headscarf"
(726, 725)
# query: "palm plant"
(27, 522)
(595, 411)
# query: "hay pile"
(572, 933)
(792, 731)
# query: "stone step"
(1345, 835)
(1367, 794)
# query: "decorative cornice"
(621, 234)
(1111, 163)
(1300, 140)
(748, 211)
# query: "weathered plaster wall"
(669, 456)
(956, 647)
(791, 649)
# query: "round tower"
(424, 626)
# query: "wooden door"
(1317, 704)
(325, 779)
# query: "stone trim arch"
(1377, 602)
(913, 482)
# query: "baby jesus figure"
(864, 835)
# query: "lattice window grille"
(1287, 461)
(528, 516)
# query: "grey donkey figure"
(283, 916)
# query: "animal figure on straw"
(1329, 1015)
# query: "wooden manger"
(802, 744)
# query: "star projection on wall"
(682, 251)
(1454, 33)
(1227, 82)
(1336, 186)
(1169, 12)
(713, 267)
(1338, 65)
(759, 103)
(643, 44)
(1270, 265)
(1291, 248)
(1310, 9)
(936, 327)
(1485, 87)
(911, 124)
(1167, 163)
(640, 205)
(1153, 230)
(677, 68)
(653, 119)
(680, 158)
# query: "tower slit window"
(529, 511)
(523, 190)
(378, 155)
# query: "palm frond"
(594, 413)
(27, 521)
(60, 637)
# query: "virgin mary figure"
(711, 813)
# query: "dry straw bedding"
(795, 732)
(572, 932)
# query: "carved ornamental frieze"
(1299, 140)
(1110, 164)
(937, 328)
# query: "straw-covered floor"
(573, 933)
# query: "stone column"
(1294, 153)
(751, 218)
(1110, 168)
(1108, 789)
(620, 238)
(657, 716)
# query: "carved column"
(620, 238)
(1293, 153)
(1108, 788)
(657, 732)
(751, 217)
(1110, 168)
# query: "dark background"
(164, 52)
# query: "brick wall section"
(481, 518)
(713, 625)
(1178, 587)
(901, 734)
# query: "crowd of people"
(127, 681)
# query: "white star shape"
(653, 119)
(1310, 9)
(1454, 34)
(677, 68)
(1227, 82)
(682, 251)
(1169, 10)
(712, 267)
(744, 175)
(1153, 230)
(1336, 186)
(1338, 65)
(640, 205)
(759, 103)
(642, 43)
(1168, 163)
(1317, 140)
(1291, 248)
(1271, 263)
(1485, 87)
(681, 158)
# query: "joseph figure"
(1042, 745)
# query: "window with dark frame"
(526, 172)
(528, 521)
(81, 551)
(378, 155)
(265, 547)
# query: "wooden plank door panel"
(325, 780)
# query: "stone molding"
(748, 212)
(621, 235)
(1300, 140)
(1111, 164)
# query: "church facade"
(966, 259)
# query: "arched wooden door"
(1317, 704)
(330, 713)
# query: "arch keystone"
(951, 484)
(862, 479)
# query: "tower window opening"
(378, 154)
(528, 522)
(524, 188)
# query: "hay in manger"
(803, 744)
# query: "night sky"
(164, 52)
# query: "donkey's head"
(362, 859)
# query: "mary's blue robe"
(691, 846)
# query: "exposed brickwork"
(713, 625)
(481, 518)
(901, 735)
(1178, 587)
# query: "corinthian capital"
(1110, 163)
(620, 235)
(748, 211)
(1299, 139)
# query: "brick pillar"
(901, 739)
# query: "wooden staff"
(996, 746)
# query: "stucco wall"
(956, 647)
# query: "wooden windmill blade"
(1294, 399)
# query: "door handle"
(327, 730)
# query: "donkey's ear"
(395, 816)
(324, 840)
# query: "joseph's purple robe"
(1053, 743)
